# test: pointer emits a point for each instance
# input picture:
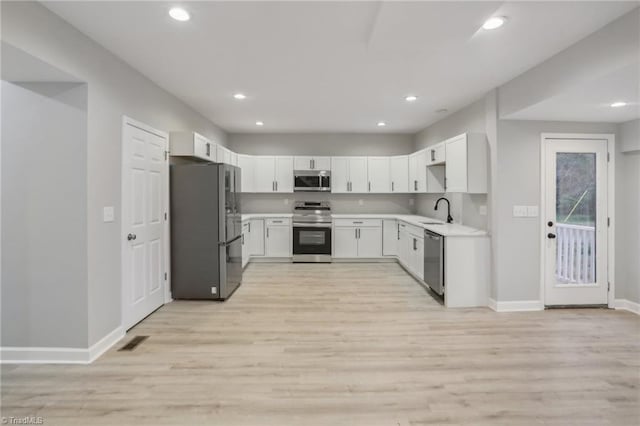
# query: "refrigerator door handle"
(228, 243)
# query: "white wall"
(328, 144)
(628, 212)
(465, 208)
(44, 203)
(115, 89)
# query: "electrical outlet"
(532, 211)
(519, 211)
(108, 214)
(214, 290)
(482, 210)
(361, 202)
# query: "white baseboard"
(516, 305)
(104, 344)
(627, 305)
(17, 355)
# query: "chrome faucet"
(449, 218)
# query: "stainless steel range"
(312, 231)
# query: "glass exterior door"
(576, 222)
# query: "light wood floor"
(346, 344)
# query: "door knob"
(551, 236)
(131, 237)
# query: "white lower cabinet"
(357, 238)
(345, 240)
(411, 249)
(277, 240)
(245, 243)
(256, 237)
(390, 237)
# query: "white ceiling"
(334, 66)
(591, 101)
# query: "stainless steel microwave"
(311, 180)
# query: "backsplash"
(465, 208)
(340, 203)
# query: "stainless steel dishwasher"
(434, 261)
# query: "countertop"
(442, 228)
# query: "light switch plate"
(532, 211)
(519, 211)
(482, 210)
(108, 214)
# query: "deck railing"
(576, 253)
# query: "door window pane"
(576, 217)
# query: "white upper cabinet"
(225, 156)
(273, 174)
(379, 175)
(436, 154)
(247, 166)
(311, 163)
(418, 171)
(349, 174)
(466, 164)
(191, 144)
(399, 173)
(284, 174)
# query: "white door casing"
(577, 259)
(144, 226)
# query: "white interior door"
(575, 228)
(144, 204)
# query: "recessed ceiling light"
(618, 104)
(411, 98)
(441, 110)
(381, 124)
(240, 96)
(179, 14)
(259, 123)
(494, 22)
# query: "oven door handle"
(311, 225)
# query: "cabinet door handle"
(392, 186)
(267, 232)
(356, 230)
(369, 186)
(208, 149)
(276, 186)
(357, 223)
(398, 231)
(242, 239)
(358, 233)
(415, 185)
(415, 242)
(249, 228)
(433, 155)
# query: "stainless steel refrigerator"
(206, 228)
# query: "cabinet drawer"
(278, 221)
(411, 229)
(358, 222)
